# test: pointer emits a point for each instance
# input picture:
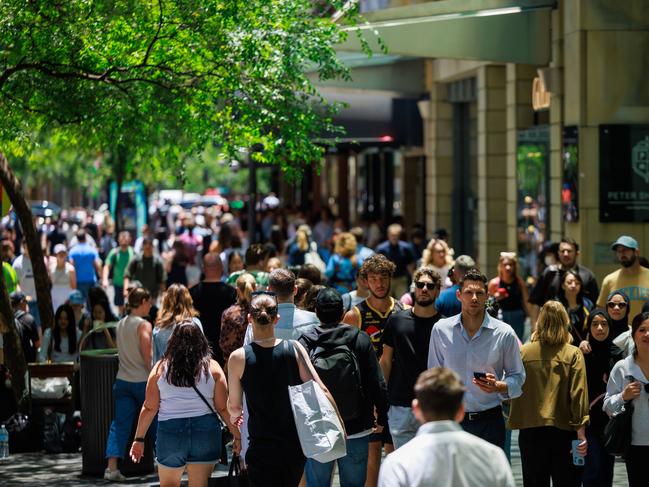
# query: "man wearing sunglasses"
(631, 278)
(405, 353)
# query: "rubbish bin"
(97, 374)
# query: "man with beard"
(405, 353)
(370, 316)
(632, 279)
(549, 283)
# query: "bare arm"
(73, 277)
(104, 277)
(97, 264)
(221, 400)
(147, 413)
(144, 334)
(352, 318)
(386, 362)
(236, 364)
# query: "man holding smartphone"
(473, 343)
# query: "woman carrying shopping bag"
(264, 370)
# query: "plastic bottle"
(4, 443)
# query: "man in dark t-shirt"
(26, 326)
(211, 297)
(406, 338)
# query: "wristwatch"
(138, 439)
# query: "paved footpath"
(64, 470)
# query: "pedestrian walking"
(148, 270)
(598, 470)
(405, 353)
(442, 454)
(22, 265)
(263, 370)
(86, 262)
(447, 302)
(343, 264)
(30, 340)
(485, 352)
(549, 422)
(234, 320)
(402, 255)
(63, 276)
(256, 261)
(628, 386)
(618, 309)
(510, 291)
(438, 256)
(211, 298)
(185, 388)
(577, 305)
(631, 278)
(176, 307)
(134, 348)
(346, 362)
(116, 263)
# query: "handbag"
(617, 432)
(319, 428)
(313, 257)
(237, 477)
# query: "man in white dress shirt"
(442, 454)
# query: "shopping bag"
(321, 433)
(617, 432)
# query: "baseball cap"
(76, 297)
(58, 248)
(464, 263)
(328, 303)
(17, 297)
(625, 241)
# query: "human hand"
(237, 420)
(104, 283)
(582, 448)
(584, 346)
(631, 391)
(236, 445)
(137, 451)
(378, 429)
(490, 385)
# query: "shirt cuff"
(616, 404)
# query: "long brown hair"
(187, 355)
(177, 306)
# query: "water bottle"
(4, 442)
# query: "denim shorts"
(188, 440)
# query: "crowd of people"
(426, 359)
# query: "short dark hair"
(256, 253)
(439, 392)
(377, 264)
(473, 275)
(427, 271)
(570, 241)
(282, 282)
(310, 272)
(81, 235)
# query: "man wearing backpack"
(346, 362)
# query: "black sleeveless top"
(514, 299)
(373, 322)
(266, 377)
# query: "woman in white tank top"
(63, 275)
(185, 388)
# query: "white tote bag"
(312, 257)
(321, 434)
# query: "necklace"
(264, 340)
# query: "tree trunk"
(24, 213)
(118, 160)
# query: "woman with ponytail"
(185, 388)
(234, 320)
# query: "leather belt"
(492, 413)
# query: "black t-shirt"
(28, 331)
(548, 285)
(211, 299)
(409, 337)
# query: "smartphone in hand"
(480, 375)
(577, 459)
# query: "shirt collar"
(438, 427)
(487, 322)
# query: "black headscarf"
(620, 326)
(598, 367)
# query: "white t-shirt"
(23, 267)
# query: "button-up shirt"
(441, 455)
(292, 324)
(494, 348)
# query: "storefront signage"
(540, 95)
(624, 173)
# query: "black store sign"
(624, 173)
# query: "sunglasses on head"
(261, 293)
(612, 304)
(428, 285)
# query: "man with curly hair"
(370, 316)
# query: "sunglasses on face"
(428, 285)
(612, 304)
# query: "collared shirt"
(494, 348)
(441, 455)
(293, 322)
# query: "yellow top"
(635, 286)
(555, 391)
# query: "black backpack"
(338, 368)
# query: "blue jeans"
(84, 288)
(352, 467)
(403, 425)
(129, 397)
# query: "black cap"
(17, 297)
(329, 301)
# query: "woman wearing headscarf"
(619, 308)
(598, 471)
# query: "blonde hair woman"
(343, 265)
(552, 411)
(299, 248)
(177, 307)
(439, 257)
(511, 292)
(234, 320)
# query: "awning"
(488, 30)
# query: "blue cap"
(76, 297)
(626, 241)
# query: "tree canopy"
(165, 77)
